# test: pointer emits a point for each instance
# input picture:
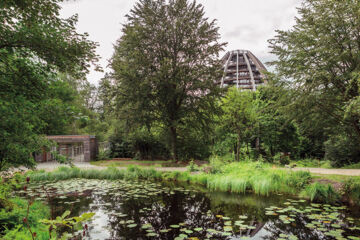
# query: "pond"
(148, 210)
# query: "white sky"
(244, 24)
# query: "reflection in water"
(143, 210)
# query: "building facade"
(79, 148)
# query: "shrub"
(120, 147)
(12, 219)
(103, 155)
(193, 167)
(342, 150)
(148, 146)
(351, 189)
(216, 165)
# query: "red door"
(44, 156)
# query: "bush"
(216, 164)
(120, 147)
(103, 155)
(309, 162)
(148, 146)
(342, 150)
(193, 167)
(284, 160)
(12, 219)
(351, 189)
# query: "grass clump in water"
(110, 173)
(237, 177)
(320, 193)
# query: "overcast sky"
(244, 24)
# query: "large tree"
(165, 65)
(35, 46)
(319, 58)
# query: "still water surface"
(146, 210)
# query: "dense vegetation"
(308, 110)
(258, 178)
(43, 62)
(160, 101)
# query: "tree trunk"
(174, 143)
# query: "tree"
(277, 132)
(319, 59)
(240, 115)
(165, 66)
(35, 46)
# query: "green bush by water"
(13, 226)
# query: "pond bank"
(236, 178)
(50, 166)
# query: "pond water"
(147, 210)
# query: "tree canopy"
(165, 66)
(319, 61)
(36, 45)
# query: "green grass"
(125, 163)
(248, 176)
(111, 173)
(312, 163)
(352, 166)
(237, 177)
(320, 193)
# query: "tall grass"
(259, 178)
(321, 193)
(247, 176)
(110, 173)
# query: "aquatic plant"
(238, 177)
(320, 193)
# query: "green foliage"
(120, 147)
(240, 115)
(161, 78)
(103, 155)
(317, 66)
(309, 162)
(35, 46)
(146, 145)
(284, 160)
(193, 167)
(262, 180)
(74, 223)
(276, 131)
(8, 185)
(342, 150)
(12, 220)
(111, 173)
(351, 189)
(321, 193)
